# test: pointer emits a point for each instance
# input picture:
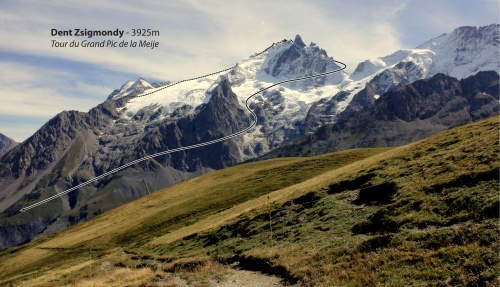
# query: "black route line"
(204, 76)
(254, 117)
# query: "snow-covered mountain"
(285, 110)
(460, 54)
(142, 118)
(280, 115)
(464, 52)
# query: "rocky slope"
(74, 147)
(406, 114)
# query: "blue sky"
(38, 81)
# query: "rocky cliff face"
(221, 116)
(75, 146)
(406, 114)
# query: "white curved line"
(254, 116)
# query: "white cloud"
(31, 91)
(196, 38)
(351, 33)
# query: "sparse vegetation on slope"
(423, 214)
(169, 210)
(426, 213)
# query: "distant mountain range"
(6, 144)
(392, 100)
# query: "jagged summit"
(465, 51)
(465, 36)
(298, 41)
(295, 59)
(131, 88)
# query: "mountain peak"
(460, 53)
(293, 60)
(463, 35)
(142, 83)
(131, 88)
(6, 144)
(465, 51)
(298, 41)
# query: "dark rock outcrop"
(405, 114)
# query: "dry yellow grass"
(119, 277)
(156, 223)
(438, 241)
(53, 277)
(19, 261)
(232, 191)
(99, 276)
(275, 197)
(132, 216)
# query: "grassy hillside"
(169, 210)
(422, 214)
